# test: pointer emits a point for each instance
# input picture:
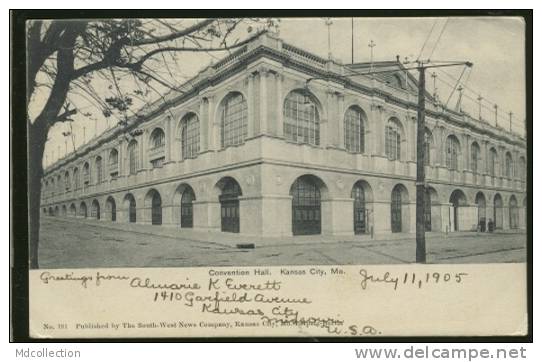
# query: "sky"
(496, 46)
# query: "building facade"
(275, 141)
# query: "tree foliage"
(102, 69)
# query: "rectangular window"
(159, 162)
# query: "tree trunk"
(36, 144)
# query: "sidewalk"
(235, 240)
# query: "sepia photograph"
(278, 176)
(278, 141)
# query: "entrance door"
(497, 211)
(513, 213)
(112, 208)
(229, 207)
(187, 215)
(306, 208)
(396, 204)
(427, 211)
(156, 209)
(360, 215)
(132, 210)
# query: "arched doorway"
(95, 210)
(64, 210)
(306, 206)
(513, 211)
(56, 211)
(130, 207)
(458, 200)
(431, 198)
(229, 205)
(362, 195)
(399, 201)
(497, 211)
(155, 205)
(50, 213)
(73, 211)
(83, 210)
(111, 207)
(187, 212)
(480, 202)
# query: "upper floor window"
(99, 170)
(114, 162)
(474, 156)
(67, 180)
(393, 140)
(427, 142)
(492, 162)
(509, 165)
(86, 173)
(452, 152)
(354, 130)
(59, 183)
(158, 139)
(301, 119)
(133, 157)
(233, 120)
(76, 178)
(190, 136)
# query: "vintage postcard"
(295, 177)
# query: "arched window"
(395, 80)
(492, 165)
(67, 182)
(158, 142)
(474, 157)
(99, 171)
(114, 162)
(76, 180)
(393, 140)
(354, 130)
(427, 141)
(133, 157)
(513, 213)
(86, 173)
(158, 139)
(452, 153)
(233, 120)
(301, 119)
(190, 136)
(509, 165)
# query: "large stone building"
(275, 141)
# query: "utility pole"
(479, 99)
(352, 40)
(420, 170)
(420, 160)
(459, 98)
(371, 45)
(434, 76)
(328, 24)
(510, 114)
